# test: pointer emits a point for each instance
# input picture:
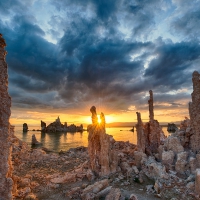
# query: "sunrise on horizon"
(65, 56)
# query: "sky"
(66, 56)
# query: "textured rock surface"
(103, 157)
(173, 143)
(96, 187)
(181, 163)
(168, 157)
(150, 135)
(192, 165)
(150, 102)
(141, 138)
(194, 110)
(115, 194)
(185, 133)
(153, 169)
(5, 150)
(138, 157)
(133, 197)
(197, 181)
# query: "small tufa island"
(57, 126)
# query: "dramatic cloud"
(72, 54)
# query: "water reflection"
(65, 141)
(24, 136)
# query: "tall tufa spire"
(150, 102)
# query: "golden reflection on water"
(65, 141)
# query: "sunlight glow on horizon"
(34, 118)
(99, 119)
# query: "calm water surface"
(65, 141)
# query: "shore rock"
(93, 190)
(138, 158)
(194, 110)
(114, 194)
(101, 149)
(173, 143)
(197, 182)
(153, 169)
(181, 163)
(133, 197)
(67, 178)
(168, 157)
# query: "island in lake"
(57, 126)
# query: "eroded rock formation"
(57, 126)
(43, 126)
(141, 138)
(103, 157)
(153, 130)
(34, 140)
(172, 127)
(180, 152)
(194, 110)
(150, 135)
(5, 150)
(25, 127)
(150, 102)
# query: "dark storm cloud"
(32, 58)
(188, 24)
(9, 5)
(92, 60)
(105, 67)
(25, 25)
(104, 8)
(137, 15)
(28, 83)
(29, 102)
(172, 62)
(141, 15)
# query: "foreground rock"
(6, 181)
(103, 156)
(150, 135)
(194, 110)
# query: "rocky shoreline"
(41, 175)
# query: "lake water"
(65, 141)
